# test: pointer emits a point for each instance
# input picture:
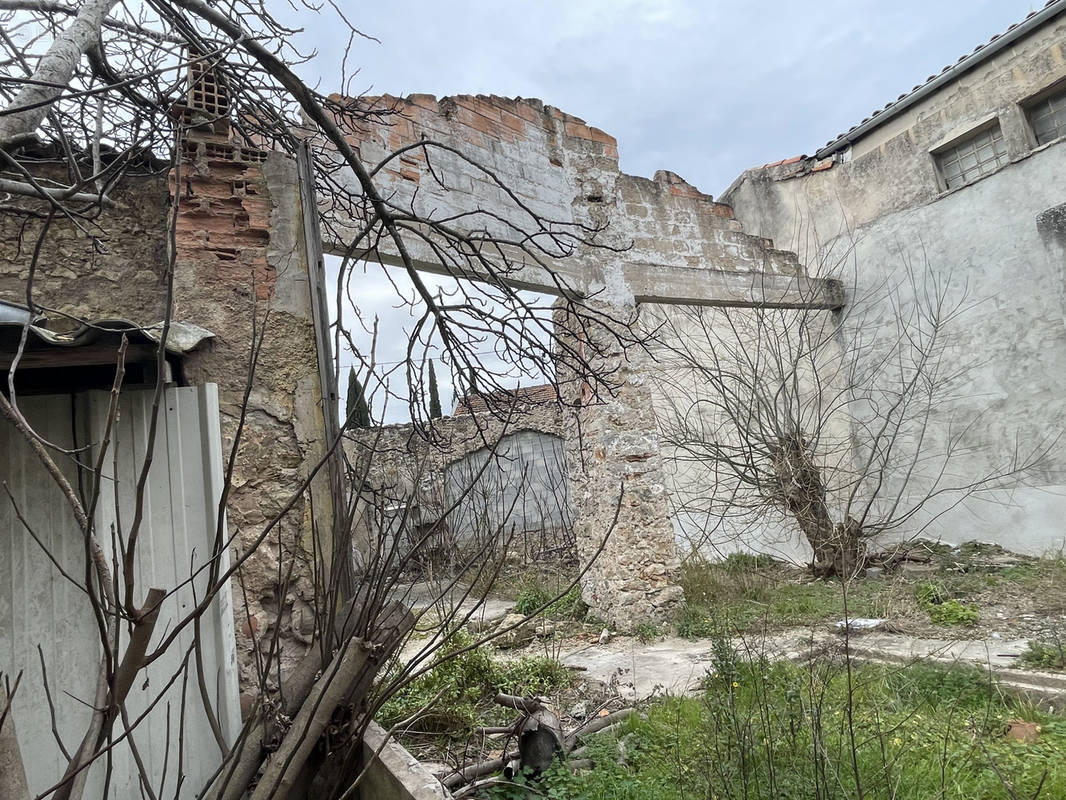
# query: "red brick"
(576, 129)
(426, 101)
(515, 123)
(529, 114)
(600, 136)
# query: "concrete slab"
(676, 666)
(672, 665)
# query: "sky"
(704, 89)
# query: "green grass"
(748, 593)
(463, 686)
(722, 594)
(780, 731)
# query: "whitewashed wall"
(39, 607)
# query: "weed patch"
(535, 594)
(1045, 655)
(942, 609)
(456, 694)
(733, 595)
(765, 731)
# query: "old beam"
(721, 288)
(656, 283)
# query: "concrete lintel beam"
(713, 287)
(564, 280)
(650, 283)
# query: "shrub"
(943, 610)
(1044, 655)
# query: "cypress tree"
(356, 411)
(434, 397)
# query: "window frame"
(1055, 91)
(1001, 154)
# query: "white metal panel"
(38, 606)
(174, 543)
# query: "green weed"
(458, 689)
(771, 731)
(535, 594)
(1045, 655)
(942, 609)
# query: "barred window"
(969, 159)
(1048, 117)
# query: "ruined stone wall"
(241, 272)
(880, 217)
(665, 241)
(121, 275)
(619, 480)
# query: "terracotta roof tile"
(503, 399)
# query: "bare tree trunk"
(837, 547)
(13, 784)
(53, 74)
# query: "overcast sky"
(704, 89)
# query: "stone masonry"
(665, 242)
(240, 271)
(406, 465)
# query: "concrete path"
(676, 666)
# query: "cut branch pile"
(539, 739)
(319, 692)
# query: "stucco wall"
(882, 222)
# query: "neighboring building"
(960, 183)
(495, 472)
(501, 401)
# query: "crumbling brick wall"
(240, 271)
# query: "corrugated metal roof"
(181, 338)
(967, 62)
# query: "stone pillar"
(619, 492)
(241, 271)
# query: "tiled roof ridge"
(975, 56)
